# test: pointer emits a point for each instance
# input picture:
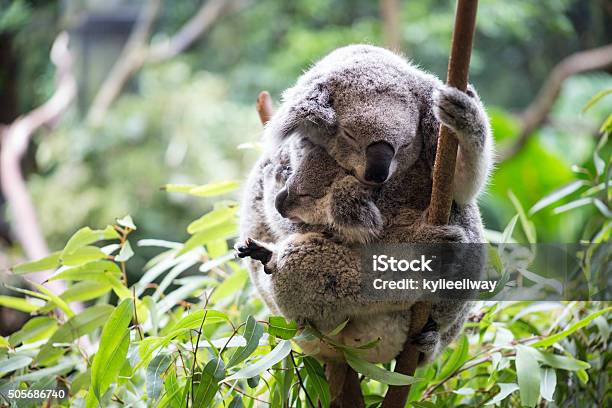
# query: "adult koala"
(377, 116)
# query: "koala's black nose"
(379, 156)
(279, 201)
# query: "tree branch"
(390, 13)
(198, 25)
(442, 189)
(536, 113)
(130, 60)
(15, 139)
(137, 52)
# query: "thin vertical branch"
(442, 189)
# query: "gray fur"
(354, 97)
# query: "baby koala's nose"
(379, 156)
(279, 201)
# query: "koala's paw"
(361, 223)
(442, 234)
(462, 112)
(428, 340)
(255, 250)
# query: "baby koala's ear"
(306, 107)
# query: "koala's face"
(305, 196)
(373, 135)
(368, 131)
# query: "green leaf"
(253, 381)
(43, 264)
(528, 375)
(281, 328)
(4, 343)
(18, 304)
(316, 379)
(252, 333)
(338, 328)
(557, 195)
(113, 348)
(156, 367)
(548, 382)
(83, 255)
(54, 299)
(214, 189)
(505, 389)
(507, 235)
(215, 217)
(208, 190)
(213, 372)
(549, 341)
(86, 236)
(95, 270)
(85, 290)
(190, 322)
(377, 373)
(279, 352)
(83, 323)
(125, 253)
(173, 390)
(582, 376)
(230, 285)
(527, 225)
(36, 329)
(60, 368)
(456, 359)
(126, 222)
(236, 402)
(224, 230)
(14, 363)
(581, 202)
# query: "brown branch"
(15, 139)
(536, 113)
(130, 60)
(264, 107)
(390, 13)
(138, 52)
(197, 26)
(442, 188)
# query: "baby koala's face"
(307, 186)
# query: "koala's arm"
(352, 212)
(464, 113)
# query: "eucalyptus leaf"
(252, 333)
(528, 375)
(113, 348)
(282, 349)
(377, 373)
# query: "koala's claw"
(428, 340)
(255, 250)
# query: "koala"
(315, 191)
(377, 117)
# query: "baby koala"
(317, 192)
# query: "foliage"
(205, 342)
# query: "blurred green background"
(182, 120)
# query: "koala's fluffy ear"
(306, 107)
